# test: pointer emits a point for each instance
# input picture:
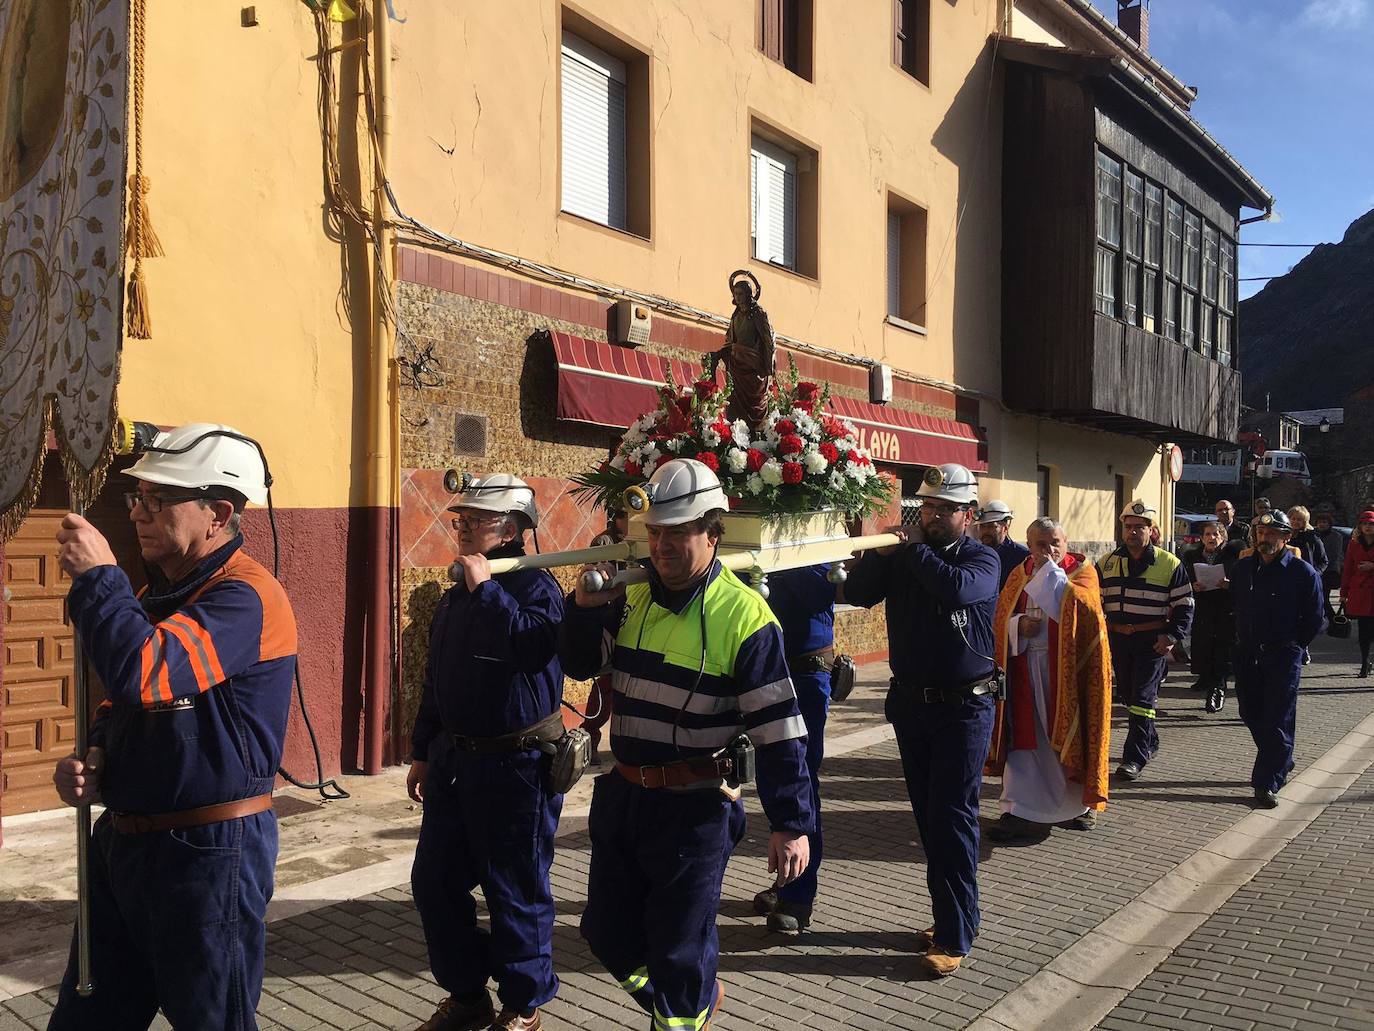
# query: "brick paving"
(361, 964)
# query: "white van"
(1274, 464)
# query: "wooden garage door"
(38, 719)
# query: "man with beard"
(492, 691)
(941, 590)
(1278, 602)
(994, 530)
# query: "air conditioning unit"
(880, 383)
(633, 322)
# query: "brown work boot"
(925, 939)
(453, 1015)
(939, 961)
(513, 1020)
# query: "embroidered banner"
(63, 89)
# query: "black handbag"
(1339, 627)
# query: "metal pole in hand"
(84, 984)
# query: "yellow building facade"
(370, 342)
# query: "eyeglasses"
(466, 521)
(154, 503)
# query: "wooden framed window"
(1108, 233)
(785, 29)
(1154, 253)
(906, 261)
(1173, 266)
(911, 38)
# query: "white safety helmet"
(1141, 510)
(995, 512)
(201, 455)
(498, 492)
(678, 492)
(949, 482)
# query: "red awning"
(913, 438)
(608, 385)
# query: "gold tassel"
(138, 316)
(143, 241)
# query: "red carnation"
(830, 452)
(709, 459)
(790, 444)
(722, 427)
(785, 426)
(754, 460)
(807, 391)
(791, 472)
(706, 388)
(631, 468)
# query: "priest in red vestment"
(1051, 736)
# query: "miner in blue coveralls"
(941, 590)
(993, 526)
(1279, 611)
(804, 602)
(185, 748)
(697, 660)
(1148, 601)
(492, 693)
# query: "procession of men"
(1003, 658)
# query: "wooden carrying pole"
(766, 560)
(84, 985)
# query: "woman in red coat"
(1357, 584)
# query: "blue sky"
(1287, 86)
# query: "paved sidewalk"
(360, 963)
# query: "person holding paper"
(1214, 622)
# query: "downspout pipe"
(377, 687)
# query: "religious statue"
(749, 352)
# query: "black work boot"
(766, 901)
(789, 917)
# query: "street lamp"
(1325, 425)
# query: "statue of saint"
(749, 352)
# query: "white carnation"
(737, 460)
(815, 462)
(754, 485)
(739, 433)
(771, 472)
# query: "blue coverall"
(1010, 554)
(804, 602)
(940, 605)
(659, 854)
(1278, 613)
(489, 820)
(198, 680)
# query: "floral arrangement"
(802, 458)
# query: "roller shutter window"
(773, 203)
(894, 264)
(594, 172)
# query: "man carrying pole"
(184, 751)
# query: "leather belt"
(146, 823)
(950, 695)
(550, 728)
(813, 662)
(675, 775)
(1137, 628)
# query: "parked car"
(1188, 529)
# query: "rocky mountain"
(1307, 338)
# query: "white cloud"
(1336, 14)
